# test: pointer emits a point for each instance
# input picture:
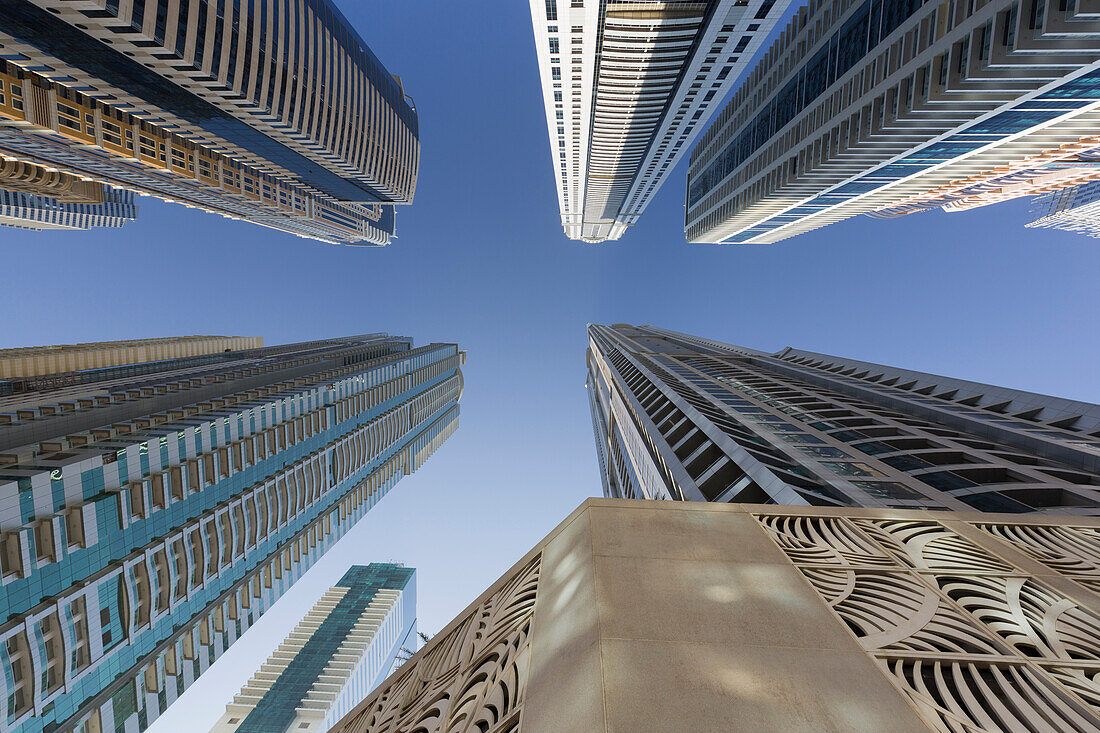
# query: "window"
(850, 469)
(888, 490)
(21, 691)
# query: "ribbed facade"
(42, 361)
(148, 517)
(274, 112)
(686, 418)
(864, 106)
(341, 650)
(627, 86)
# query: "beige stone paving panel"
(713, 601)
(687, 535)
(564, 687)
(669, 687)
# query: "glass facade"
(31, 23)
(684, 418)
(366, 619)
(871, 106)
(149, 520)
(276, 113)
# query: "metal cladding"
(688, 418)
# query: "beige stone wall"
(666, 616)
(36, 361)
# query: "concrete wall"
(681, 616)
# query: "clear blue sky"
(481, 260)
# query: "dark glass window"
(946, 480)
(907, 463)
(992, 501)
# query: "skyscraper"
(149, 513)
(273, 112)
(862, 107)
(687, 418)
(672, 616)
(627, 86)
(1074, 209)
(341, 650)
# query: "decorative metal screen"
(973, 641)
(472, 680)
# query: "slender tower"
(687, 418)
(627, 87)
(152, 510)
(274, 111)
(341, 650)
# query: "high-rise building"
(687, 418)
(274, 112)
(862, 107)
(1074, 209)
(627, 86)
(149, 513)
(671, 616)
(342, 649)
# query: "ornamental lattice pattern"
(976, 643)
(472, 680)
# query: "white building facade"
(626, 87)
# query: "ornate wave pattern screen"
(472, 680)
(975, 642)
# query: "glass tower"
(274, 112)
(687, 418)
(342, 649)
(891, 106)
(151, 512)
